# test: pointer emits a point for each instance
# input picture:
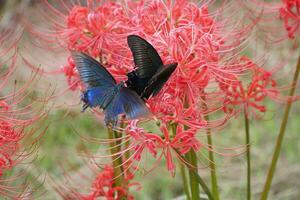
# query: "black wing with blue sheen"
(128, 102)
(91, 72)
(158, 80)
(146, 59)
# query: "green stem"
(193, 172)
(185, 182)
(116, 158)
(127, 153)
(196, 176)
(276, 153)
(182, 170)
(214, 182)
(248, 156)
(204, 186)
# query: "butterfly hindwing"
(128, 102)
(98, 96)
(134, 106)
(146, 59)
(158, 80)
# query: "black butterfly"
(103, 91)
(150, 73)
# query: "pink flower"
(17, 117)
(168, 143)
(140, 140)
(249, 96)
(103, 186)
(290, 14)
(279, 20)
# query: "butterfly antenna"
(84, 107)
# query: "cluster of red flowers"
(8, 145)
(276, 15)
(173, 144)
(290, 14)
(16, 116)
(242, 95)
(103, 186)
(10, 133)
(206, 43)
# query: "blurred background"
(63, 149)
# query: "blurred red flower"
(290, 14)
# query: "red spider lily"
(205, 43)
(249, 96)
(290, 14)
(9, 145)
(16, 117)
(140, 140)
(71, 74)
(103, 186)
(286, 11)
(169, 143)
(164, 144)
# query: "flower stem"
(127, 153)
(198, 179)
(204, 186)
(248, 156)
(116, 159)
(214, 182)
(182, 170)
(276, 153)
(193, 172)
(185, 182)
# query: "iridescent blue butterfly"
(150, 73)
(103, 91)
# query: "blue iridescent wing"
(98, 81)
(146, 59)
(133, 105)
(128, 102)
(98, 97)
(91, 72)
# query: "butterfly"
(150, 73)
(103, 91)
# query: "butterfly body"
(150, 73)
(137, 84)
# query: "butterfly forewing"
(102, 90)
(149, 74)
(91, 72)
(98, 81)
(146, 59)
